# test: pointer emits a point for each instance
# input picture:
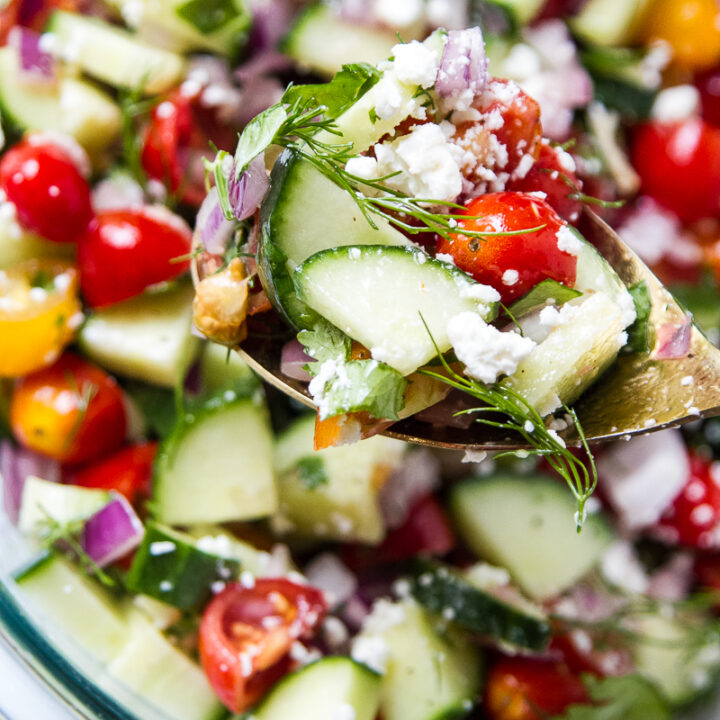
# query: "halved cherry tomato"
(30, 14)
(71, 411)
(529, 689)
(126, 251)
(128, 471)
(693, 519)
(39, 313)
(9, 14)
(679, 165)
(246, 634)
(534, 256)
(51, 196)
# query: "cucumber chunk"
(329, 689)
(431, 672)
(333, 493)
(609, 22)
(147, 338)
(321, 41)
(16, 245)
(380, 296)
(522, 10)
(221, 369)
(526, 524)
(441, 590)
(217, 465)
(115, 56)
(73, 106)
(168, 566)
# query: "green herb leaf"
(639, 332)
(349, 84)
(538, 297)
(208, 16)
(325, 342)
(44, 280)
(311, 472)
(257, 136)
(156, 404)
(630, 697)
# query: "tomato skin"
(679, 165)
(46, 412)
(242, 654)
(535, 256)
(126, 251)
(127, 471)
(530, 689)
(52, 198)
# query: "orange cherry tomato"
(71, 411)
(39, 313)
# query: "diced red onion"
(293, 359)
(36, 65)
(329, 573)
(355, 11)
(248, 191)
(16, 465)
(270, 23)
(258, 94)
(463, 66)
(354, 613)
(112, 532)
(672, 582)
(263, 63)
(212, 228)
(673, 340)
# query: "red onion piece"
(270, 23)
(263, 63)
(327, 572)
(248, 191)
(36, 65)
(673, 581)
(463, 66)
(112, 532)
(673, 340)
(293, 359)
(212, 227)
(16, 465)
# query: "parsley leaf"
(156, 404)
(258, 135)
(639, 332)
(619, 698)
(311, 472)
(208, 16)
(538, 297)
(325, 342)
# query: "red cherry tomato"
(679, 165)
(9, 15)
(708, 83)
(693, 519)
(585, 653)
(71, 411)
(128, 471)
(126, 251)
(51, 196)
(246, 634)
(534, 256)
(528, 689)
(553, 173)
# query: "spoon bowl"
(640, 393)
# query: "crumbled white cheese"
(621, 567)
(687, 380)
(448, 14)
(484, 350)
(344, 712)
(371, 650)
(510, 277)
(552, 317)
(388, 97)
(474, 456)
(568, 242)
(327, 371)
(363, 167)
(676, 103)
(521, 62)
(398, 13)
(446, 258)
(484, 294)
(415, 64)
(486, 576)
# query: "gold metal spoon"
(639, 394)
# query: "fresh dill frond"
(133, 105)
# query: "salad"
(393, 192)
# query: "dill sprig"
(133, 105)
(518, 413)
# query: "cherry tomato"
(71, 411)
(50, 194)
(585, 652)
(554, 174)
(679, 165)
(708, 83)
(30, 14)
(39, 313)
(529, 689)
(128, 471)
(126, 251)
(534, 256)
(690, 27)
(246, 634)
(693, 519)
(9, 14)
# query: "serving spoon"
(640, 393)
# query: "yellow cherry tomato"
(39, 313)
(690, 27)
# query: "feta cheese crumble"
(510, 277)
(568, 242)
(415, 64)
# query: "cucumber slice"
(44, 501)
(76, 605)
(221, 369)
(217, 465)
(332, 493)
(155, 669)
(147, 338)
(431, 672)
(333, 688)
(216, 540)
(320, 41)
(16, 245)
(380, 296)
(522, 10)
(609, 22)
(73, 107)
(525, 524)
(168, 566)
(306, 212)
(441, 590)
(115, 56)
